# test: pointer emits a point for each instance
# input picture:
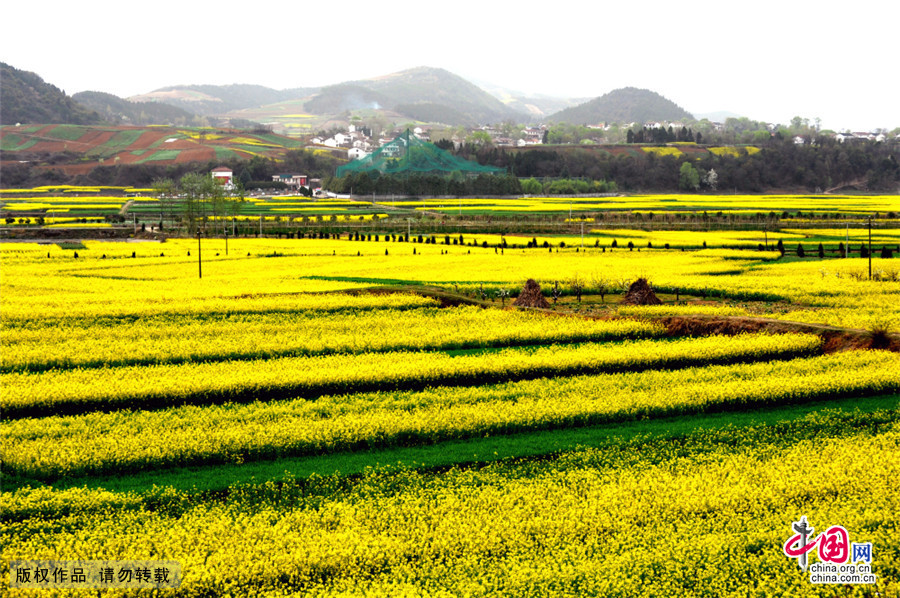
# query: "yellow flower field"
(333, 417)
(705, 519)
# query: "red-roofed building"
(224, 176)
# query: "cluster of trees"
(202, 198)
(780, 164)
(416, 183)
(735, 130)
(661, 135)
(532, 186)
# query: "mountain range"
(421, 94)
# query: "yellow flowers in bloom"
(124, 441)
(634, 463)
(84, 389)
(700, 515)
(69, 342)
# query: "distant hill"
(209, 100)
(625, 105)
(26, 98)
(346, 96)
(421, 94)
(119, 111)
(533, 108)
(448, 98)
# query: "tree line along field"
(124, 209)
(332, 416)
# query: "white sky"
(768, 60)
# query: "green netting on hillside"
(407, 153)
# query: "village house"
(355, 153)
(293, 181)
(224, 176)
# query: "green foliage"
(531, 186)
(28, 99)
(688, 177)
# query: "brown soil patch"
(835, 339)
(196, 154)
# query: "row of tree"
(200, 198)
(780, 164)
(663, 135)
(417, 183)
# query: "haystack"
(531, 296)
(640, 293)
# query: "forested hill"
(219, 99)
(422, 93)
(115, 110)
(26, 98)
(625, 105)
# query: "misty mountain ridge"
(422, 94)
(432, 95)
(212, 100)
(116, 110)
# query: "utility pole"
(870, 248)
(199, 257)
(847, 243)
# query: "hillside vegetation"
(440, 88)
(119, 111)
(26, 98)
(208, 100)
(625, 105)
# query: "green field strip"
(848, 414)
(67, 132)
(160, 155)
(117, 142)
(12, 143)
(225, 153)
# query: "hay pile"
(640, 293)
(531, 296)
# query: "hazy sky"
(766, 60)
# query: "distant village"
(359, 144)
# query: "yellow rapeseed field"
(396, 371)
